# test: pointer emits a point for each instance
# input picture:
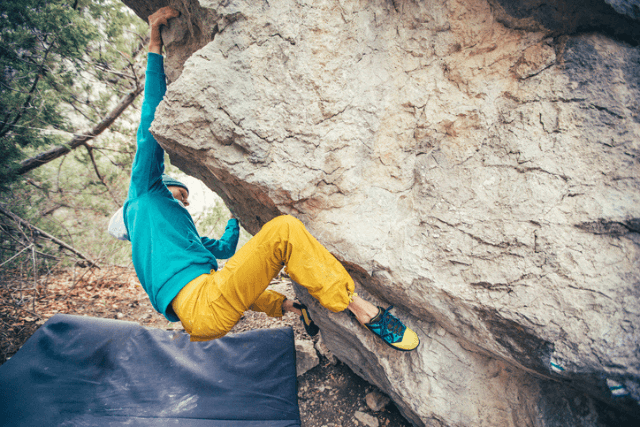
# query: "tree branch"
(46, 235)
(78, 140)
(6, 127)
(95, 168)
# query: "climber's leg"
(311, 265)
(269, 302)
(362, 309)
(242, 283)
(284, 241)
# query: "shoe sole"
(306, 319)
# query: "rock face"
(474, 163)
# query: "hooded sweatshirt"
(167, 250)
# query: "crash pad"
(85, 371)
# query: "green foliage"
(52, 54)
(63, 65)
(67, 199)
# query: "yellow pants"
(211, 304)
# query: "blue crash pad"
(84, 371)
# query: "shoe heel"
(309, 326)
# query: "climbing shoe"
(311, 328)
(393, 331)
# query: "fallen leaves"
(113, 293)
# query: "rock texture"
(376, 401)
(306, 357)
(473, 162)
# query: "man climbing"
(178, 268)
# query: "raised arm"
(157, 20)
(148, 163)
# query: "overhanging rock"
(473, 163)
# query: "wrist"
(155, 41)
(155, 48)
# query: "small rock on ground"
(376, 401)
(306, 356)
(325, 352)
(366, 419)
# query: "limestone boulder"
(475, 163)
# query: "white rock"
(306, 357)
(376, 401)
(366, 419)
(325, 352)
(467, 165)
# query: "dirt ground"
(329, 395)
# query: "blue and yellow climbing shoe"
(392, 331)
(311, 328)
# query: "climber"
(178, 268)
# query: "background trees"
(63, 65)
(71, 72)
(68, 70)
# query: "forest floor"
(329, 395)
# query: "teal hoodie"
(167, 250)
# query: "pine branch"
(120, 74)
(78, 140)
(5, 127)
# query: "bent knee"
(285, 221)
